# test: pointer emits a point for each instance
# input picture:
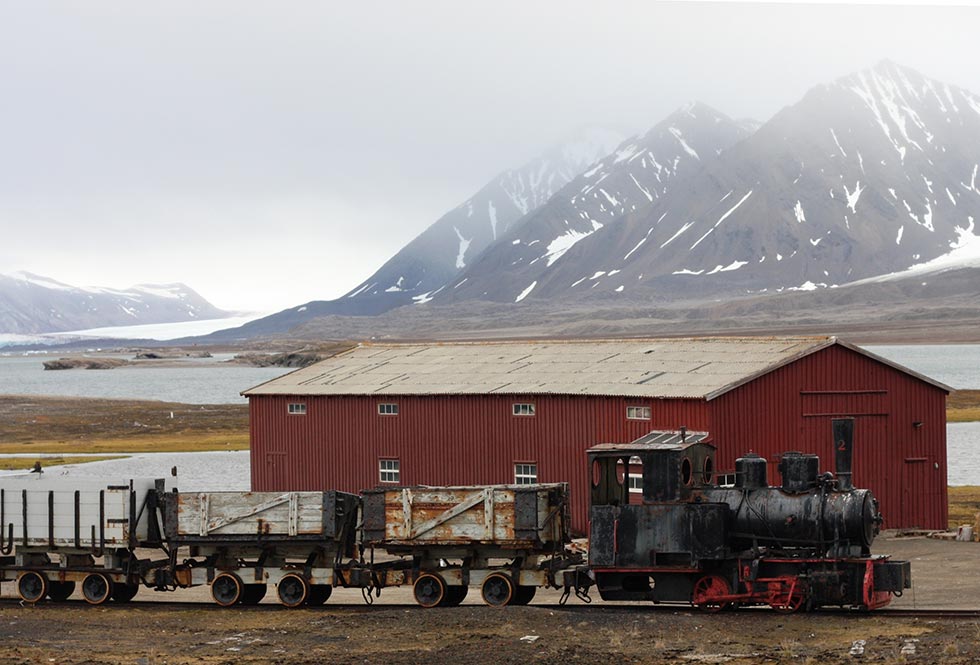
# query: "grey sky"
(272, 153)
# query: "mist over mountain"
(865, 176)
(32, 304)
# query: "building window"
(525, 474)
(636, 482)
(296, 409)
(523, 409)
(387, 409)
(389, 470)
(638, 413)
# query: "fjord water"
(201, 381)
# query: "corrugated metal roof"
(697, 368)
(655, 440)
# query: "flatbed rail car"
(56, 533)
(506, 539)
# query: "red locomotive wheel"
(708, 590)
(794, 602)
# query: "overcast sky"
(272, 153)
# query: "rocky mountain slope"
(32, 304)
(865, 176)
(641, 173)
(453, 242)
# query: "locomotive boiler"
(801, 544)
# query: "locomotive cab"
(671, 528)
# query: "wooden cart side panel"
(250, 513)
(514, 516)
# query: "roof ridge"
(602, 340)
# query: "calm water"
(196, 472)
(208, 381)
(956, 365)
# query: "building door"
(916, 494)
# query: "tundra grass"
(188, 442)
(963, 406)
(18, 463)
(964, 504)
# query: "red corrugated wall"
(791, 409)
(445, 440)
(456, 440)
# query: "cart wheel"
(254, 593)
(497, 590)
(524, 595)
(96, 588)
(292, 590)
(319, 593)
(227, 589)
(429, 590)
(706, 592)
(123, 593)
(32, 586)
(454, 595)
(60, 591)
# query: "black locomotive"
(801, 545)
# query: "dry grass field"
(963, 406)
(67, 425)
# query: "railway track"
(929, 613)
(897, 613)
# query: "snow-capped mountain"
(454, 241)
(31, 304)
(640, 173)
(866, 176)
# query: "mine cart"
(507, 539)
(59, 531)
(240, 543)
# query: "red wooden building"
(506, 412)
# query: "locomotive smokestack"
(843, 449)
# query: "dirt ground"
(184, 627)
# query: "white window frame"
(638, 412)
(387, 409)
(525, 473)
(296, 409)
(523, 409)
(389, 470)
(636, 483)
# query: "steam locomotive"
(685, 539)
(801, 545)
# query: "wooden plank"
(459, 509)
